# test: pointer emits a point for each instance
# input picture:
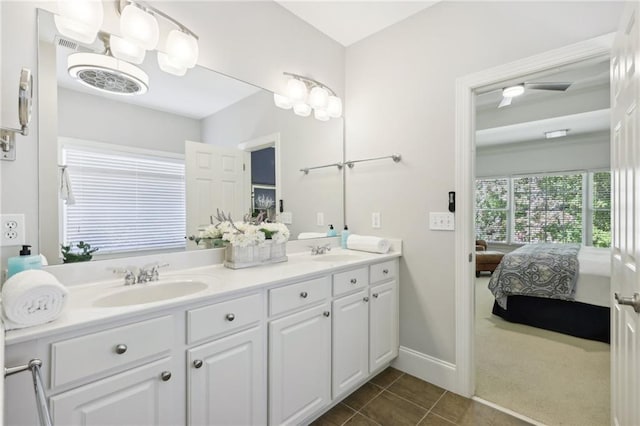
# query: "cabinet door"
(299, 365)
(227, 383)
(383, 325)
(350, 342)
(136, 397)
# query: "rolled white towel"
(366, 243)
(307, 235)
(32, 297)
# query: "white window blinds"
(124, 200)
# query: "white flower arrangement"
(279, 232)
(244, 234)
(211, 232)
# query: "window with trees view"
(563, 208)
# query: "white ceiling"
(350, 21)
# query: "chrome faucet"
(315, 250)
(129, 275)
(135, 275)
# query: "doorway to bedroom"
(542, 187)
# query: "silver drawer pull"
(326, 313)
(304, 294)
(365, 299)
(385, 271)
(121, 348)
(353, 280)
(197, 363)
(230, 317)
(165, 376)
(375, 295)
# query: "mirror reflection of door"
(263, 183)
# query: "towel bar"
(41, 400)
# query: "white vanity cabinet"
(383, 314)
(299, 351)
(226, 376)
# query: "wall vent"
(63, 42)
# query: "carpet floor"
(550, 377)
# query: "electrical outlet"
(320, 219)
(375, 220)
(12, 230)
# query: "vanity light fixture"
(123, 49)
(556, 133)
(79, 19)
(305, 94)
(138, 26)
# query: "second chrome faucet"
(135, 275)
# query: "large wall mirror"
(134, 174)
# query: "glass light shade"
(282, 101)
(334, 107)
(168, 66)
(139, 27)
(513, 91)
(79, 19)
(297, 91)
(182, 48)
(302, 109)
(321, 114)
(318, 98)
(125, 50)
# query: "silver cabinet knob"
(375, 295)
(326, 313)
(165, 376)
(631, 301)
(385, 271)
(304, 294)
(121, 348)
(353, 280)
(197, 363)
(230, 317)
(365, 299)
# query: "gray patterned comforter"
(542, 270)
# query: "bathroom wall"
(252, 41)
(401, 98)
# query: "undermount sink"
(139, 294)
(335, 257)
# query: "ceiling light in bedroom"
(513, 91)
(556, 133)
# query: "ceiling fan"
(510, 92)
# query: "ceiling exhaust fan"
(508, 93)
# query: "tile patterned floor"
(394, 398)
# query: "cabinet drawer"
(223, 317)
(295, 296)
(96, 353)
(350, 280)
(383, 271)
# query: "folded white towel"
(66, 192)
(366, 243)
(32, 297)
(307, 235)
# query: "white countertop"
(220, 281)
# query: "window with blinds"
(492, 201)
(600, 209)
(125, 200)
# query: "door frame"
(465, 174)
(256, 144)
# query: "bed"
(558, 287)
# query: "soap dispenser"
(331, 232)
(344, 236)
(23, 262)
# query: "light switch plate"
(286, 218)
(375, 220)
(320, 219)
(441, 221)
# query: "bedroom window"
(600, 208)
(126, 199)
(492, 208)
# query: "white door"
(299, 365)
(142, 396)
(625, 167)
(214, 179)
(350, 342)
(383, 325)
(227, 383)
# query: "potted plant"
(83, 253)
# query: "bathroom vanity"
(278, 344)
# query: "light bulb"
(321, 114)
(513, 91)
(139, 27)
(302, 109)
(318, 98)
(168, 66)
(182, 48)
(297, 90)
(125, 50)
(79, 19)
(282, 101)
(334, 107)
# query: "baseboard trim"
(427, 368)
